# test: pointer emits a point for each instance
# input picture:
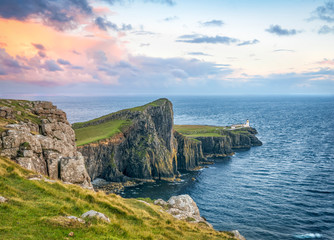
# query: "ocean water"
(281, 190)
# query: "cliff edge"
(38, 136)
(143, 143)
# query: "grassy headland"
(105, 126)
(38, 210)
(101, 131)
(193, 131)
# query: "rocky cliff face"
(228, 142)
(38, 136)
(149, 148)
(145, 150)
(189, 152)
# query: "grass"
(38, 210)
(200, 130)
(97, 121)
(98, 132)
(193, 131)
(106, 127)
(18, 106)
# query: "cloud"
(326, 29)
(206, 39)
(198, 54)
(9, 64)
(38, 46)
(278, 30)
(63, 62)
(41, 54)
(326, 61)
(51, 66)
(60, 14)
(104, 24)
(197, 38)
(167, 2)
(212, 23)
(255, 41)
(325, 12)
(169, 19)
(284, 50)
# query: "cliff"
(141, 144)
(38, 136)
(220, 141)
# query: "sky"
(166, 47)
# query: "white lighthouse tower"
(247, 123)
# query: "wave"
(309, 236)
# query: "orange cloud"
(17, 38)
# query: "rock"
(183, 207)
(189, 152)
(146, 150)
(73, 170)
(80, 220)
(237, 235)
(3, 199)
(185, 204)
(95, 214)
(45, 145)
(160, 202)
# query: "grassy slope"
(97, 132)
(93, 133)
(193, 131)
(199, 130)
(36, 210)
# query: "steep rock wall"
(229, 141)
(189, 152)
(38, 136)
(145, 150)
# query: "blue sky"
(166, 47)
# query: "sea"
(281, 190)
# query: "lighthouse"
(247, 123)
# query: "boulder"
(237, 235)
(3, 199)
(183, 207)
(80, 220)
(73, 170)
(95, 214)
(160, 202)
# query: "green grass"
(200, 130)
(98, 132)
(18, 105)
(97, 121)
(37, 210)
(103, 127)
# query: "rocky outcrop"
(95, 214)
(38, 136)
(148, 148)
(145, 150)
(229, 142)
(189, 152)
(182, 207)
